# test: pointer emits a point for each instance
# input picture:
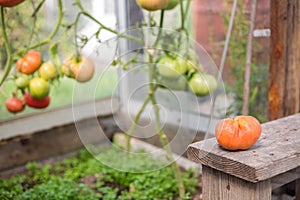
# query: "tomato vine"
(151, 53)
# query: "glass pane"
(61, 92)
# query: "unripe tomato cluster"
(35, 77)
(177, 73)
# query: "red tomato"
(14, 105)
(36, 103)
(10, 3)
(239, 133)
(29, 63)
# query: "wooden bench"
(252, 174)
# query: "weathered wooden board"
(59, 140)
(43, 121)
(277, 151)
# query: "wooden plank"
(218, 185)
(56, 117)
(285, 178)
(283, 96)
(53, 142)
(276, 152)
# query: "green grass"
(64, 92)
(67, 180)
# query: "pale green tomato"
(22, 81)
(202, 84)
(171, 68)
(173, 84)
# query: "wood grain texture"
(283, 96)
(285, 178)
(53, 142)
(218, 185)
(277, 151)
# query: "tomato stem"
(9, 60)
(182, 14)
(134, 124)
(55, 30)
(163, 138)
(186, 9)
(88, 15)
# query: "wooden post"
(298, 189)
(284, 69)
(225, 186)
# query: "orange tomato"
(29, 63)
(82, 70)
(239, 133)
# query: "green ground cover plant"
(83, 177)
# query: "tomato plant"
(239, 133)
(172, 71)
(38, 88)
(14, 105)
(10, 3)
(36, 103)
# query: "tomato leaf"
(55, 59)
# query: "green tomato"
(171, 68)
(202, 84)
(39, 88)
(47, 71)
(173, 84)
(172, 4)
(22, 81)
